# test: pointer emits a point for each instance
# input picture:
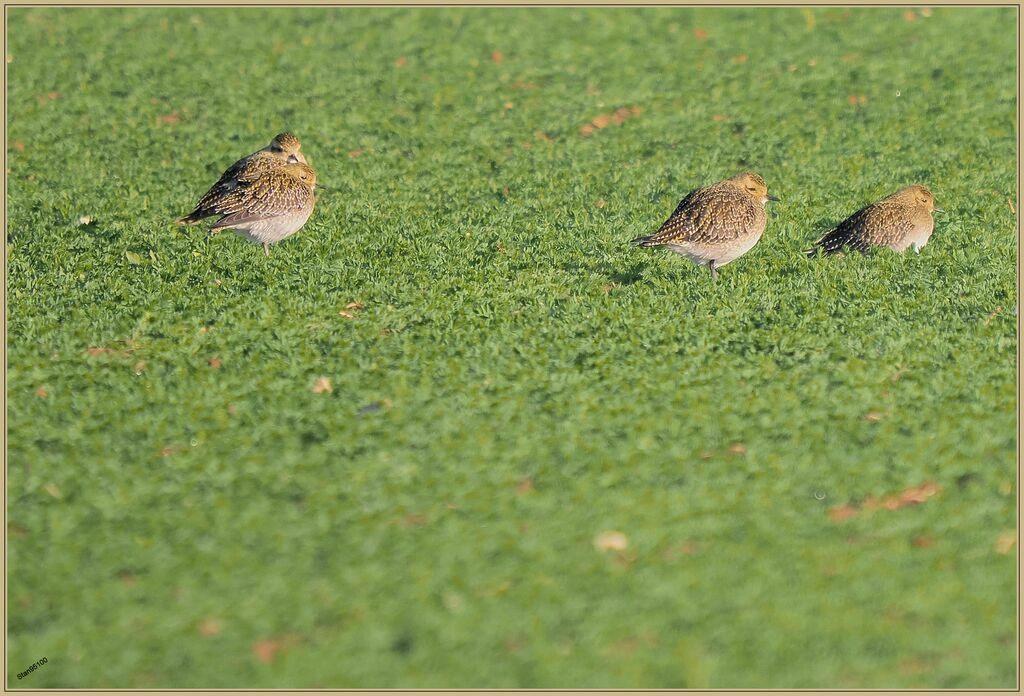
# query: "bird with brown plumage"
(900, 221)
(282, 150)
(267, 208)
(716, 224)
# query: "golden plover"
(900, 221)
(265, 209)
(283, 149)
(716, 224)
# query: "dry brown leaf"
(413, 520)
(842, 513)
(166, 451)
(42, 393)
(322, 385)
(685, 549)
(599, 203)
(497, 56)
(922, 542)
(719, 117)
(737, 448)
(611, 540)
(740, 59)
(601, 121)
(1009, 202)
(347, 315)
(525, 486)
(608, 287)
(700, 34)
(127, 578)
(541, 135)
(872, 416)
(19, 146)
(140, 367)
(52, 490)
(509, 105)
(353, 154)
(400, 61)
(266, 650)
(209, 627)
(215, 363)
(1005, 542)
(926, 12)
(16, 530)
(170, 119)
(910, 16)
(586, 130)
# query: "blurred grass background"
(216, 479)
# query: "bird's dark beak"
(773, 198)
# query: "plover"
(716, 224)
(900, 221)
(264, 209)
(283, 149)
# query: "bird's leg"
(266, 248)
(711, 266)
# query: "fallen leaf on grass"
(322, 385)
(872, 416)
(740, 59)
(611, 540)
(42, 393)
(209, 627)
(700, 34)
(412, 520)
(541, 135)
(354, 154)
(922, 542)
(525, 486)
(910, 16)
(48, 97)
(127, 578)
(737, 448)
(911, 496)
(52, 490)
(166, 451)
(1009, 202)
(266, 650)
(617, 117)
(215, 363)
(855, 99)
(1005, 542)
(608, 287)
(599, 203)
(19, 146)
(16, 530)
(841, 513)
(169, 119)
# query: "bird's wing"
(708, 216)
(272, 194)
(848, 233)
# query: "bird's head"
(303, 172)
(287, 146)
(919, 197)
(754, 186)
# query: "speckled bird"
(267, 208)
(282, 150)
(716, 224)
(900, 221)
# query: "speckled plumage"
(899, 221)
(266, 208)
(716, 224)
(282, 150)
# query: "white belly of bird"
(915, 239)
(274, 229)
(722, 253)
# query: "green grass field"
(185, 509)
